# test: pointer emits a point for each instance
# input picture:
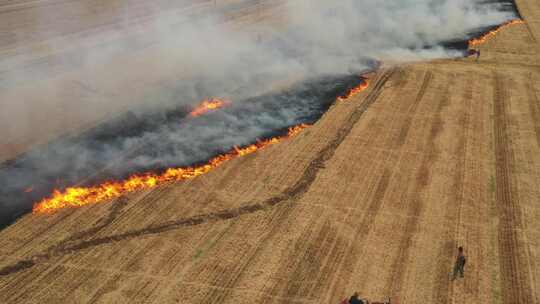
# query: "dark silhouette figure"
(355, 300)
(460, 264)
(477, 55)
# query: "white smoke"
(154, 59)
(156, 53)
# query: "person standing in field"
(355, 300)
(460, 264)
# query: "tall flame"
(484, 38)
(79, 196)
(209, 105)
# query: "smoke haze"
(280, 62)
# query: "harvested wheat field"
(375, 197)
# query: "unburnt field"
(374, 197)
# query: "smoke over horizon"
(207, 54)
(277, 75)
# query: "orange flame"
(355, 91)
(79, 196)
(209, 105)
(29, 189)
(484, 38)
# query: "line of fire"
(76, 196)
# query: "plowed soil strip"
(514, 268)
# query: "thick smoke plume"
(278, 61)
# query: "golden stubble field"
(375, 197)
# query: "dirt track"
(375, 197)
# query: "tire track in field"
(57, 221)
(423, 177)
(114, 211)
(339, 257)
(329, 251)
(534, 107)
(310, 174)
(442, 288)
(228, 279)
(292, 193)
(351, 256)
(402, 137)
(303, 267)
(515, 276)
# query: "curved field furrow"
(293, 193)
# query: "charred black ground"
(135, 143)
(119, 148)
(462, 44)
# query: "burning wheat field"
(269, 151)
(136, 152)
(141, 145)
